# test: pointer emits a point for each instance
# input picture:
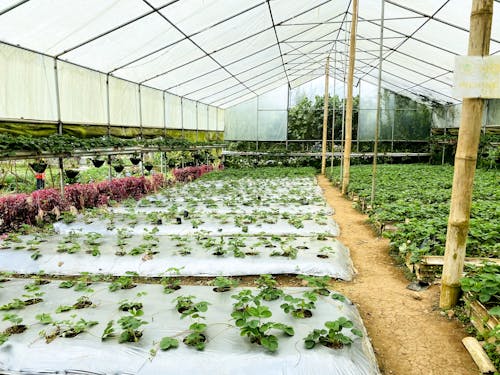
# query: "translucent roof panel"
(222, 52)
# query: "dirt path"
(409, 335)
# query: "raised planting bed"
(142, 330)
(149, 255)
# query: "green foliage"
(297, 306)
(16, 304)
(305, 119)
(13, 318)
(484, 283)
(223, 283)
(332, 337)
(250, 315)
(168, 343)
(44, 318)
(130, 325)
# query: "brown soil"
(408, 333)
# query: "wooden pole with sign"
(465, 163)
(348, 119)
(325, 117)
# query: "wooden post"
(325, 118)
(348, 120)
(61, 176)
(465, 163)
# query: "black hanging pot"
(148, 167)
(71, 173)
(97, 162)
(134, 160)
(118, 168)
(38, 167)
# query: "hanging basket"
(134, 160)
(38, 167)
(118, 168)
(148, 167)
(71, 173)
(97, 162)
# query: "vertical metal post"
(257, 127)
(357, 129)
(325, 117)
(182, 121)
(379, 94)
(196, 104)
(287, 113)
(59, 126)
(108, 111)
(164, 114)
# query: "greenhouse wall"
(401, 118)
(263, 118)
(39, 91)
(449, 116)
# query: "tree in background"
(305, 119)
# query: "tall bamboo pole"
(350, 76)
(465, 163)
(325, 117)
(333, 110)
(379, 94)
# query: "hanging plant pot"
(71, 173)
(118, 168)
(135, 160)
(97, 162)
(38, 167)
(148, 166)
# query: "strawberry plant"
(250, 315)
(299, 307)
(483, 283)
(130, 325)
(224, 284)
(268, 290)
(332, 337)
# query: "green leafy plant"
(483, 283)
(123, 282)
(268, 290)
(224, 284)
(130, 325)
(250, 317)
(318, 283)
(332, 337)
(299, 307)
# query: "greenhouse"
(250, 187)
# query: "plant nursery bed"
(200, 255)
(215, 333)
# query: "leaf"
(44, 318)
(494, 311)
(168, 343)
(357, 332)
(309, 344)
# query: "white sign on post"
(477, 77)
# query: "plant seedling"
(268, 290)
(333, 336)
(123, 282)
(130, 325)
(250, 322)
(299, 307)
(17, 327)
(224, 284)
(171, 284)
(318, 283)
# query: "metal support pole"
(325, 117)
(465, 163)
(349, 104)
(379, 94)
(108, 111)
(140, 111)
(59, 126)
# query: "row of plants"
(249, 313)
(46, 205)
(65, 144)
(416, 198)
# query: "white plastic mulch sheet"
(226, 351)
(151, 255)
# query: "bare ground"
(409, 335)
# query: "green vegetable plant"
(299, 307)
(170, 283)
(268, 290)
(168, 343)
(250, 317)
(123, 282)
(66, 328)
(224, 284)
(16, 327)
(130, 325)
(483, 283)
(186, 306)
(332, 337)
(318, 283)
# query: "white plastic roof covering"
(222, 52)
